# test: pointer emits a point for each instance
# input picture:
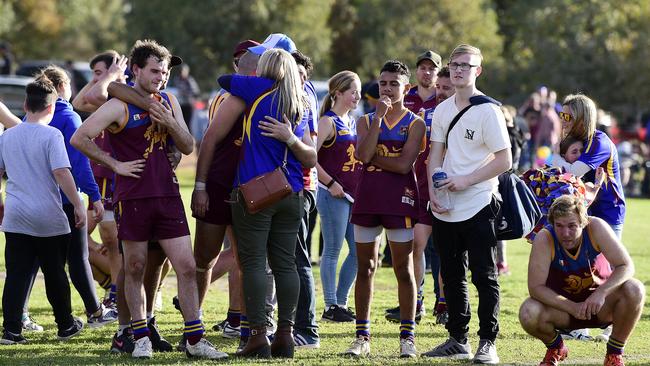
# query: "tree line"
(598, 47)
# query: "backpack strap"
(475, 100)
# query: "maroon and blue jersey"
(223, 167)
(336, 156)
(609, 204)
(380, 191)
(262, 154)
(99, 170)
(576, 276)
(137, 138)
(310, 175)
(422, 161)
(414, 102)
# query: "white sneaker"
(30, 325)
(407, 348)
(142, 348)
(604, 336)
(486, 353)
(360, 347)
(230, 332)
(578, 334)
(204, 349)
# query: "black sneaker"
(393, 310)
(12, 338)
(158, 343)
(350, 312)
(220, 326)
(337, 314)
(177, 304)
(396, 318)
(124, 343)
(182, 344)
(74, 330)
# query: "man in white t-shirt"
(478, 151)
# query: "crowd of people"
(421, 167)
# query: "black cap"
(175, 61)
(431, 56)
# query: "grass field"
(514, 345)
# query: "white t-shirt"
(479, 133)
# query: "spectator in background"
(6, 59)
(188, 90)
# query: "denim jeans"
(336, 226)
(306, 309)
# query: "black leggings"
(81, 274)
(21, 252)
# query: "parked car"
(79, 71)
(12, 92)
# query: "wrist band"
(331, 183)
(199, 186)
(292, 140)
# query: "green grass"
(514, 345)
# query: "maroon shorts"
(151, 218)
(387, 221)
(219, 212)
(106, 190)
(575, 323)
(424, 217)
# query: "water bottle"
(442, 193)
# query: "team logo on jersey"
(576, 284)
(344, 132)
(238, 141)
(408, 197)
(139, 116)
(469, 134)
(404, 130)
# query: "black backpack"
(519, 210)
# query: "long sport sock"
(112, 294)
(407, 329)
(140, 328)
(363, 328)
(193, 331)
(245, 330)
(556, 342)
(418, 305)
(234, 318)
(615, 346)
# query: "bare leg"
(367, 257)
(156, 260)
(179, 252)
(108, 234)
(135, 260)
(402, 254)
(207, 245)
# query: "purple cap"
(275, 40)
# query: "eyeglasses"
(463, 66)
(566, 117)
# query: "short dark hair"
(143, 49)
(105, 57)
(305, 61)
(444, 72)
(397, 67)
(40, 94)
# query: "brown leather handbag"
(266, 189)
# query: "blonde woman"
(273, 128)
(338, 175)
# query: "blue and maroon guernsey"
(99, 170)
(576, 276)
(336, 156)
(609, 204)
(262, 154)
(383, 192)
(223, 167)
(422, 160)
(137, 138)
(310, 175)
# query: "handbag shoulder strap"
(454, 121)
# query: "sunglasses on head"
(566, 117)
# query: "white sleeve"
(438, 133)
(578, 168)
(494, 129)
